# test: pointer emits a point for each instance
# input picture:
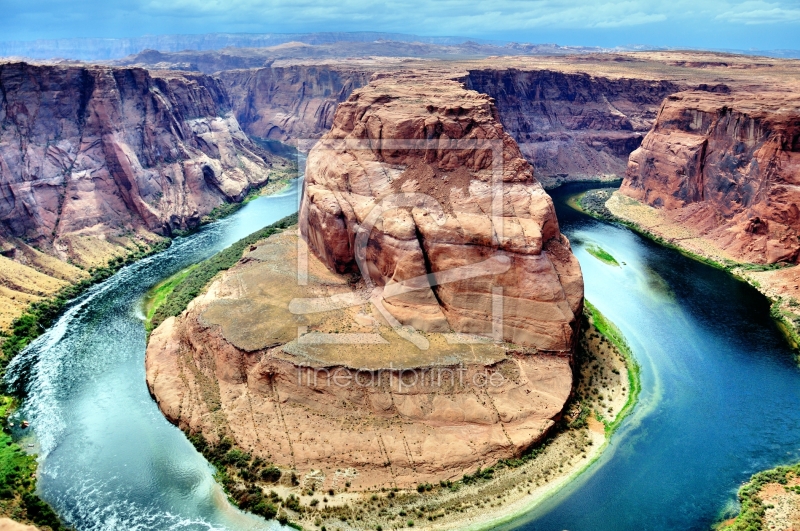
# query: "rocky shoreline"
(777, 282)
(605, 392)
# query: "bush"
(293, 503)
(237, 458)
(39, 512)
(485, 474)
(271, 474)
(265, 509)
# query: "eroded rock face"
(290, 103)
(107, 152)
(573, 125)
(464, 211)
(727, 165)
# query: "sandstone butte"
(263, 359)
(97, 161)
(726, 166)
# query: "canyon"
(724, 150)
(99, 160)
(102, 161)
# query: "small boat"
(25, 423)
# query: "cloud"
(651, 21)
(422, 16)
(759, 13)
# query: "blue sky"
(738, 24)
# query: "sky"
(720, 24)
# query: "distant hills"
(105, 49)
(372, 43)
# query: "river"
(108, 459)
(720, 395)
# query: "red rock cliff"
(573, 125)
(729, 166)
(290, 103)
(542, 291)
(105, 152)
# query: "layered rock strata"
(573, 125)
(319, 375)
(453, 189)
(290, 103)
(727, 167)
(96, 162)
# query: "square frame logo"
(375, 295)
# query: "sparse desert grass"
(190, 286)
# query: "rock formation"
(484, 208)
(318, 375)
(95, 161)
(727, 165)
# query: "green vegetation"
(592, 203)
(158, 294)
(245, 478)
(18, 499)
(601, 254)
(613, 334)
(751, 514)
(40, 315)
(479, 475)
(190, 286)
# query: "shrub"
(271, 474)
(293, 503)
(237, 458)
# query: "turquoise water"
(720, 398)
(108, 459)
(720, 389)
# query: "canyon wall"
(726, 165)
(290, 103)
(568, 125)
(98, 161)
(573, 125)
